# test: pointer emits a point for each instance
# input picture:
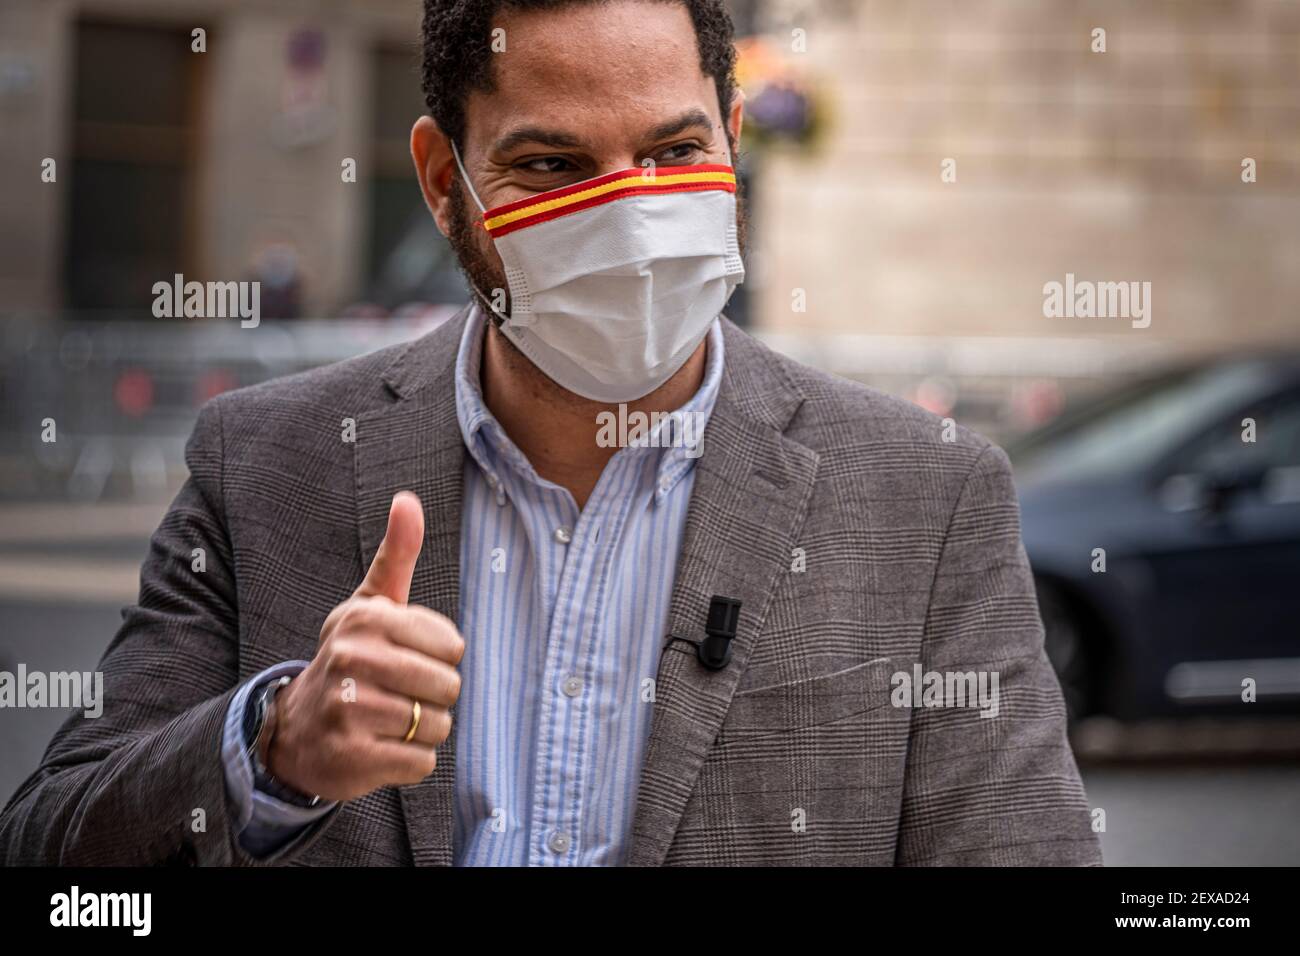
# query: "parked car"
(1162, 521)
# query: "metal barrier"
(100, 409)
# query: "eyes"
(544, 165)
(681, 154)
(545, 172)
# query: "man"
(444, 535)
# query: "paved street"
(1215, 815)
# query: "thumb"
(390, 572)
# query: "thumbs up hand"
(341, 726)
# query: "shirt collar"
(488, 443)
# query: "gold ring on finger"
(415, 722)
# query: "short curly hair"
(457, 56)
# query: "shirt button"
(559, 842)
(563, 535)
(572, 686)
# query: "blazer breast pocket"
(808, 702)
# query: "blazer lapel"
(415, 445)
(752, 487)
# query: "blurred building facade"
(222, 164)
(1114, 166)
(1122, 165)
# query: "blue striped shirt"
(564, 615)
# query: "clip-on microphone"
(714, 651)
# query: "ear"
(434, 168)
(736, 118)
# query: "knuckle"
(342, 656)
(452, 684)
(444, 727)
(436, 616)
(442, 625)
(368, 614)
(332, 620)
(457, 648)
(418, 768)
(358, 616)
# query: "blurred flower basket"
(782, 107)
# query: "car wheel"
(1063, 634)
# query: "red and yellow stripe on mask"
(554, 203)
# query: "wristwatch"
(259, 727)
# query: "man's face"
(582, 91)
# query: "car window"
(1138, 433)
(1224, 450)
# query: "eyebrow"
(691, 118)
(559, 139)
(536, 134)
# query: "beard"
(485, 275)
(465, 232)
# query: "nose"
(618, 163)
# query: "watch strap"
(263, 780)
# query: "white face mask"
(615, 281)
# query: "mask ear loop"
(465, 176)
(498, 318)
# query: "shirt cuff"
(261, 822)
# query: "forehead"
(618, 65)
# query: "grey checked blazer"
(793, 754)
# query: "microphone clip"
(714, 652)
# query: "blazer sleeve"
(998, 790)
(144, 782)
